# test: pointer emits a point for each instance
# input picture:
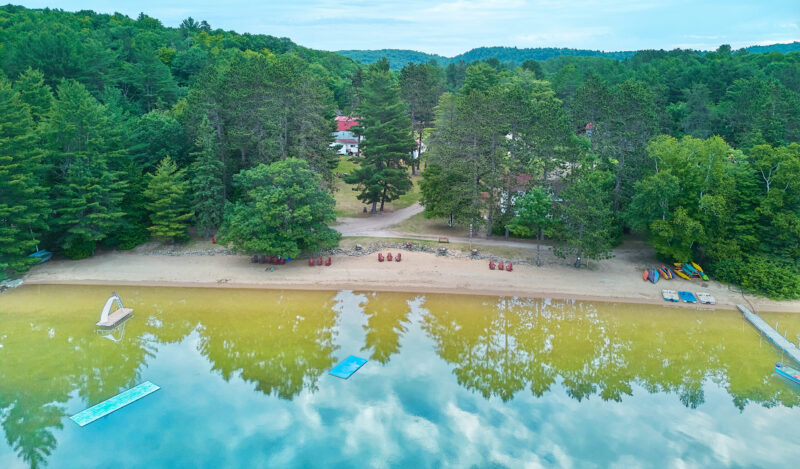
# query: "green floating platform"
(115, 403)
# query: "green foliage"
(584, 221)
(166, 194)
(86, 192)
(209, 190)
(33, 92)
(283, 211)
(387, 143)
(760, 274)
(533, 213)
(23, 200)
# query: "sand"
(616, 280)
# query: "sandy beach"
(614, 280)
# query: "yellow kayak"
(679, 271)
(699, 269)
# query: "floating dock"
(349, 366)
(115, 403)
(780, 341)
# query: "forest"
(115, 131)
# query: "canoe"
(687, 296)
(787, 372)
(645, 275)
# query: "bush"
(80, 249)
(760, 274)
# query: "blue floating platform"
(347, 367)
(688, 297)
(115, 403)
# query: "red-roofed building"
(344, 123)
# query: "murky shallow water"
(452, 381)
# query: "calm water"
(452, 381)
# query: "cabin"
(344, 138)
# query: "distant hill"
(400, 57)
(782, 48)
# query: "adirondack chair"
(311, 261)
(500, 265)
(319, 261)
(398, 257)
(380, 257)
(509, 267)
(491, 265)
(328, 262)
(389, 257)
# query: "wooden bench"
(443, 239)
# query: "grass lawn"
(347, 205)
(427, 226)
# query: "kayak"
(645, 275)
(697, 267)
(681, 273)
(700, 271)
(788, 372)
(654, 276)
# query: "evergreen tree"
(584, 220)
(86, 192)
(283, 211)
(420, 85)
(207, 184)
(167, 202)
(23, 201)
(35, 93)
(387, 143)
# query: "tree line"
(117, 130)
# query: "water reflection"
(504, 345)
(52, 364)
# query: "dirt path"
(382, 226)
(378, 225)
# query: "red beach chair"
(509, 267)
(500, 265)
(389, 257)
(398, 257)
(311, 261)
(319, 261)
(491, 265)
(380, 257)
(328, 262)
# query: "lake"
(451, 381)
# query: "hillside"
(400, 57)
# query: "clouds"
(449, 27)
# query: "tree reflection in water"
(283, 342)
(387, 320)
(499, 346)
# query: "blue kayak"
(788, 372)
(687, 296)
(42, 255)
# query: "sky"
(451, 27)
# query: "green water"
(452, 381)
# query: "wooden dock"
(780, 341)
(115, 318)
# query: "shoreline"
(615, 280)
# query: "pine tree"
(207, 184)
(166, 193)
(23, 202)
(386, 127)
(86, 192)
(33, 92)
